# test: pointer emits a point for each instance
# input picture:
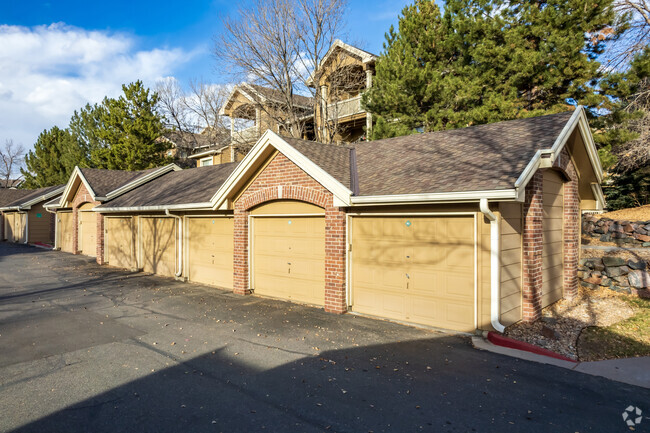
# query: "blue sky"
(55, 56)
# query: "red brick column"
(240, 253)
(571, 224)
(75, 230)
(100, 239)
(335, 261)
(532, 249)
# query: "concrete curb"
(633, 371)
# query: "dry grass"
(624, 339)
(622, 252)
(641, 213)
(568, 317)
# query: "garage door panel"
(159, 245)
(65, 228)
(210, 246)
(289, 258)
(424, 274)
(120, 242)
(88, 233)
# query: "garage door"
(552, 255)
(88, 233)
(289, 258)
(210, 251)
(65, 231)
(9, 226)
(415, 269)
(20, 221)
(158, 240)
(120, 241)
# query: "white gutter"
(469, 196)
(184, 207)
(495, 274)
(179, 272)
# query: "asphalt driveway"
(90, 348)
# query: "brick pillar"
(335, 261)
(240, 253)
(75, 230)
(100, 239)
(571, 233)
(532, 251)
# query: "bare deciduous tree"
(279, 44)
(636, 153)
(11, 159)
(196, 111)
(634, 17)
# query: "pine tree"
(487, 60)
(54, 157)
(122, 133)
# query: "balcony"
(246, 135)
(344, 108)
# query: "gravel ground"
(561, 323)
(624, 253)
(641, 213)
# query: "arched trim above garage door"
(292, 192)
(287, 207)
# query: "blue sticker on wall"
(408, 223)
(289, 222)
(38, 215)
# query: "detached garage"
(27, 221)
(450, 229)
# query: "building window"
(206, 161)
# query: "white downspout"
(179, 272)
(56, 228)
(495, 273)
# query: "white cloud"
(47, 72)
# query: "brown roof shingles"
(193, 185)
(104, 181)
(31, 195)
(478, 158)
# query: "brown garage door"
(210, 251)
(120, 242)
(158, 240)
(552, 256)
(9, 226)
(289, 258)
(416, 269)
(88, 233)
(65, 231)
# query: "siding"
(511, 238)
(40, 228)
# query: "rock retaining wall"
(631, 233)
(615, 273)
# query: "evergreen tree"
(54, 157)
(122, 133)
(487, 60)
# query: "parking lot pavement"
(90, 348)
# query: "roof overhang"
(35, 200)
(365, 56)
(259, 151)
(208, 152)
(135, 209)
(77, 174)
(442, 197)
(546, 157)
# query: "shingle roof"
(8, 196)
(484, 157)
(334, 159)
(276, 96)
(193, 185)
(33, 194)
(104, 181)
(478, 158)
(54, 202)
(198, 141)
(10, 183)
